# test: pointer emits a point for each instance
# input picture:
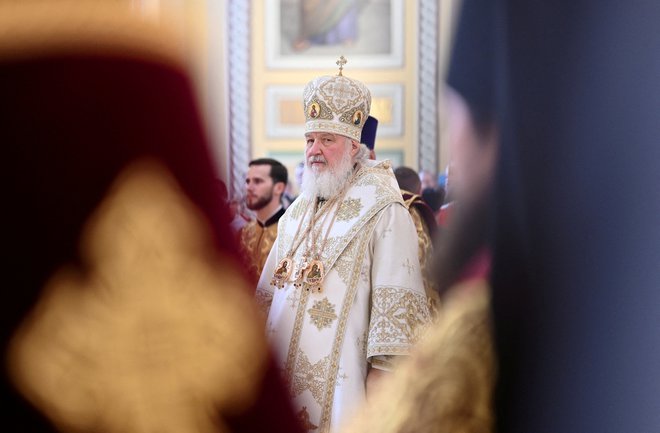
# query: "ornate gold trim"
(326, 408)
(294, 346)
(322, 313)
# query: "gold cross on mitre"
(341, 62)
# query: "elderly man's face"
(325, 150)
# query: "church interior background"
(250, 59)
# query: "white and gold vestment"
(371, 306)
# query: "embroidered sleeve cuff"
(398, 317)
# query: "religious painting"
(285, 117)
(313, 33)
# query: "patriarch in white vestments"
(342, 286)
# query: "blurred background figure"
(434, 197)
(448, 177)
(431, 191)
(265, 183)
(300, 169)
(368, 137)
(221, 190)
(128, 310)
(289, 195)
(424, 220)
(443, 214)
(238, 214)
(442, 180)
(408, 180)
(428, 179)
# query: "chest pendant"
(313, 276)
(298, 276)
(282, 272)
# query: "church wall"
(276, 90)
(275, 93)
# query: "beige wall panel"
(263, 78)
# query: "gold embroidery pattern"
(283, 244)
(345, 263)
(349, 209)
(297, 331)
(325, 112)
(333, 247)
(346, 130)
(398, 316)
(336, 246)
(362, 344)
(310, 377)
(343, 268)
(256, 243)
(293, 298)
(455, 388)
(326, 407)
(322, 313)
(294, 213)
(341, 94)
(380, 178)
(298, 208)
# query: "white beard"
(329, 182)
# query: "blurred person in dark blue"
(573, 91)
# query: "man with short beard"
(342, 286)
(265, 183)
